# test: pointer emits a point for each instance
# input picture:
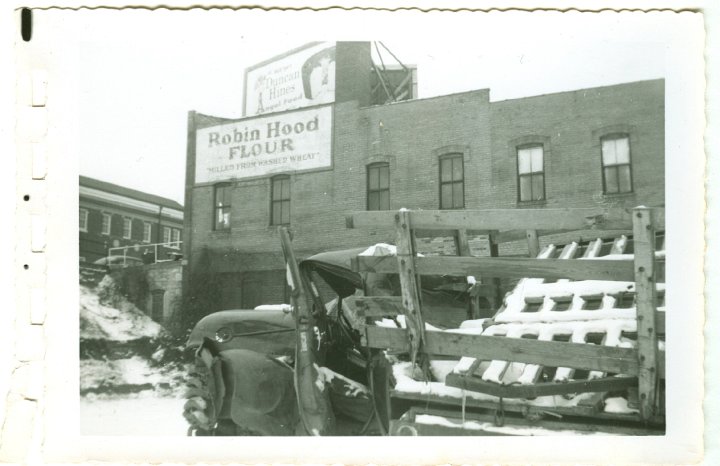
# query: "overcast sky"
(142, 71)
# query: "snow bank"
(429, 419)
(98, 375)
(116, 321)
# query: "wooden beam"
(504, 219)
(405, 265)
(582, 411)
(511, 267)
(463, 247)
(539, 389)
(533, 243)
(646, 303)
(550, 353)
(379, 306)
(407, 424)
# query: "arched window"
(452, 182)
(280, 200)
(531, 172)
(616, 164)
(378, 186)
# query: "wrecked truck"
(384, 340)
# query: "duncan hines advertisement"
(302, 79)
(290, 142)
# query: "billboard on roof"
(300, 78)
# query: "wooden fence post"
(408, 282)
(533, 243)
(646, 303)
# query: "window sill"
(627, 194)
(540, 203)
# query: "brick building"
(113, 216)
(581, 148)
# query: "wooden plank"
(575, 355)
(503, 219)
(580, 236)
(518, 407)
(539, 389)
(378, 306)
(405, 265)
(509, 267)
(463, 247)
(646, 303)
(313, 402)
(408, 422)
(533, 243)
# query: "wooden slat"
(463, 247)
(503, 219)
(646, 303)
(575, 355)
(510, 267)
(407, 424)
(533, 243)
(410, 289)
(580, 235)
(583, 411)
(378, 306)
(540, 389)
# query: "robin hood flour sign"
(289, 142)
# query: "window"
(127, 228)
(452, 185)
(84, 220)
(378, 186)
(531, 174)
(147, 232)
(223, 195)
(167, 234)
(617, 176)
(175, 238)
(280, 205)
(106, 223)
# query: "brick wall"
(410, 137)
(165, 277)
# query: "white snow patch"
(354, 388)
(380, 249)
(121, 323)
(389, 323)
(144, 414)
(130, 371)
(274, 307)
(429, 419)
(618, 405)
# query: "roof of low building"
(128, 192)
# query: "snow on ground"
(144, 413)
(119, 321)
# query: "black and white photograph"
(369, 223)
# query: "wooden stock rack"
(637, 369)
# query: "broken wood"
(646, 304)
(575, 355)
(505, 267)
(405, 266)
(469, 382)
(504, 219)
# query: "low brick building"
(581, 148)
(113, 216)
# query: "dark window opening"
(223, 196)
(280, 203)
(452, 182)
(158, 306)
(378, 186)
